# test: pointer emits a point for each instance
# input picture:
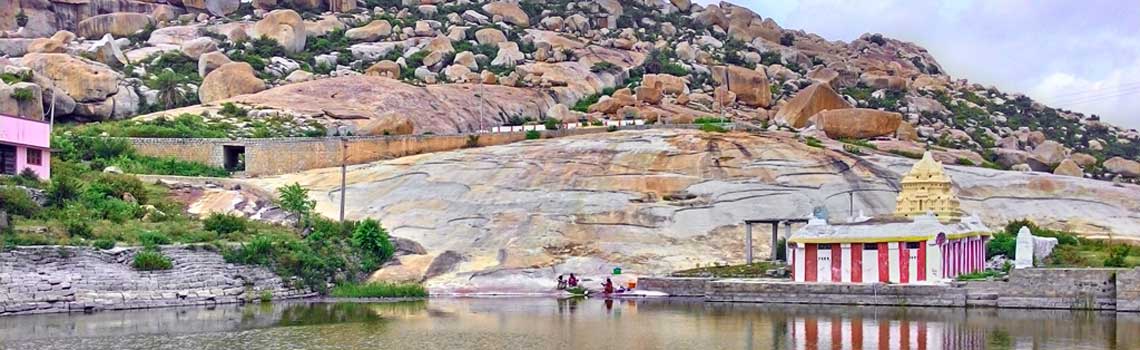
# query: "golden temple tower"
(927, 188)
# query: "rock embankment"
(67, 279)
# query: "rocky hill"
(573, 61)
(510, 218)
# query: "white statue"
(1024, 252)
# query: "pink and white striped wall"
(894, 262)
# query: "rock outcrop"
(509, 12)
(229, 80)
(750, 86)
(283, 26)
(80, 79)
(808, 102)
(652, 202)
(119, 24)
(857, 123)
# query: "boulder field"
(510, 218)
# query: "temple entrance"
(235, 158)
(8, 160)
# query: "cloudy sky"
(1080, 55)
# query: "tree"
(371, 237)
(295, 199)
(168, 84)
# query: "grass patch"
(813, 142)
(758, 269)
(151, 260)
(379, 290)
(902, 153)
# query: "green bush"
(966, 162)
(153, 239)
(151, 260)
(22, 94)
(1002, 244)
(1117, 255)
(79, 228)
(533, 135)
(224, 224)
(62, 189)
(371, 237)
(379, 290)
(712, 128)
(118, 185)
(604, 66)
(17, 202)
(295, 199)
(551, 124)
(813, 142)
(104, 243)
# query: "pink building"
(25, 144)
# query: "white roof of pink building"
(888, 230)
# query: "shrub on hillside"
(151, 260)
(153, 239)
(104, 243)
(224, 224)
(533, 135)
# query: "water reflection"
(570, 323)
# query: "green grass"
(379, 290)
(903, 153)
(757, 269)
(981, 276)
(813, 142)
(151, 260)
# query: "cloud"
(1053, 50)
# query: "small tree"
(295, 199)
(371, 237)
(168, 84)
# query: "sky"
(1077, 55)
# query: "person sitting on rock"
(561, 283)
(572, 281)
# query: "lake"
(525, 323)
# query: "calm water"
(570, 324)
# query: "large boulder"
(119, 24)
(670, 84)
(857, 123)
(750, 85)
(1049, 153)
(197, 47)
(210, 61)
(323, 26)
(214, 7)
(82, 80)
(511, 13)
(384, 68)
(389, 123)
(1009, 157)
(490, 36)
(1124, 167)
(879, 80)
(509, 55)
(1069, 168)
(375, 30)
(441, 44)
(808, 102)
(283, 26)
(106, 52)
(229, 80)
(21, 99)
(682, 5)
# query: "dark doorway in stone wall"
(235, 158)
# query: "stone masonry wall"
(834, 293)
(675, 286)
(274, 156)
(64, 279)
(1060, 289)
(1128, 290)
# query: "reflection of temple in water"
(812, 333)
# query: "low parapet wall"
(834, 293)
(275, 156)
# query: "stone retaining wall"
(736, 290)
(1060, 289)
(675, 286)
(275, 156)
(65, 279)
(1043, 288)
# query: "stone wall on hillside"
(275, 156)
(65, 279)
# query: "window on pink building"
(34, 157)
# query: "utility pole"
(343, 176)
(480, 104)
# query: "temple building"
(926, 240)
